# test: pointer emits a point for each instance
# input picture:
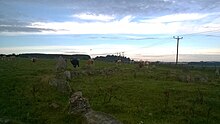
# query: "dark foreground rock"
(80, 105)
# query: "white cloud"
(123, 26)
(179, 24)
(194, 50)
(99, 17)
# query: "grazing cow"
(33, 60)
(12, 57)
(75, 62)
(147, 64)
(4, 57)
(118, 61)
(90, 62)
(141, 64)
(131, 61)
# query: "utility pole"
(177, 51)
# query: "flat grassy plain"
(155, 95)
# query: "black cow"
(75, 62)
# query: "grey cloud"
(13, 22)
(105, 37)
(13, 25)
(144, 7)
(74, 52)
(121, 8)
(121, 37)
(8, 28)
(128, 7)
(20, 13)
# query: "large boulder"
(78, 104)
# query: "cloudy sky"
(141, 29)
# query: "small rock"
(78, 93)
(94, 117)
(53, 82)
(204, 79)
(54, 105)
(201, 79)
(141, 122)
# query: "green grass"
(132, 95)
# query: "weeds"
(109, 93)
(200, 97)
(166, 96)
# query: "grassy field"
(156, 95)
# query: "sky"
(139, 29)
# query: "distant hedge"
(52, 56)
(113, 58)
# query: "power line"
(210, 31)
(119, 53)
(148, 46)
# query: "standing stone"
(60, 79)
(61, 85)
(61, 64)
